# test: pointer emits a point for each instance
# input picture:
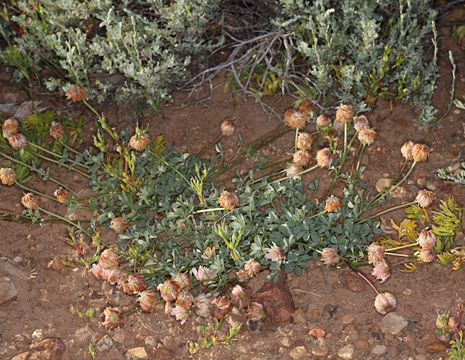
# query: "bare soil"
(50, 296)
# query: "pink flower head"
(361, 122)
(228, 200)
(184, 299)
(169, 290)
(406, 150)
(113, 318)
(426, 255)
(385, 302)
(111, 275)
(381, 271)
(108, 259)
(147, 300)
(324, 159)
(203, 273)
(427, 240)
(323, 120)
(242, 275)
(96, 270)
(228, 126)
(293, 170)
(240, 297)
(219, 307)
(17, 141)
(330, 257)
(181, 314)
(135, 283)
(375, 253)
(202, 305)
(252, 267)
(367, 136)
(294, 119)
(276, 254)
(9, 128)
(304, 141)
(302, 158)
(256, 312)
(424, 198)
(183, 280)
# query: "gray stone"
(105, 343)
(136, 353)
(299, 352)
(26, 109)
(347, 352)
(7, 290)
(379, 350)
(84, 334)
(393, 323)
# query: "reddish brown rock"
(47, 349)
(7, 290)
(277, 301)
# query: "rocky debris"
(56, 264)
(105, 343)
(7, 290)
(26, 108)
(347, 352)
(383, 183)
(378, 349)
(162, 353)
(277, 301)
(47, 349)
(393, 323)
(299, 352)
(37, 335)
(348, 319)
(435, 347)
(352, 281)
(320, 351)
(362, 344)
(300, 317)
(136, 353)
(9, 268)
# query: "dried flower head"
(7, 176)
(306, 107)
(108, 259)
(361, 122)
(76, 93)
(181, 314)
(323, 120)
(219, 307)
(344, 113)
(276, 254)
(169, 290)
(110, 275)
(202, 305)
(330, 257)
(242, 275)
(184, 299)
(385, 302)
(426, 255)
(17, 141)
(183, 280)
(56, 130)
(381, 271)
(375, 253)
(252, 267)
(367, 136)
(406, 150)
(9, 128)
(256, 312)
(294, 119)
(228, 200)
(293, 170)
(113, 318)
(240, 297)
(424, 198)
(228, 126)
(139, 141)
(30, 201)
(61, 195)
(324, 159)
(333, 204)
(420, 152)
(302, 158)
(147, 300)
(304, 141)
(427, 239)
(135, 283)
(118, 225)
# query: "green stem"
(298, 174)
(36, 192)
(46, 158)
(172, 167)
(343, 159)
(56, 155)
(386, 211)
(318, 214)
(91, 196)
(66, 221)
(308, 246)
(357, 167)
(35, 170)
(70, 149)
(210, 144)
(208, 210)
(92, 109)
(402, 247)
(399, 255)
(295, 139)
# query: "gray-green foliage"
(357, 50)
(145, 47)
(170, 229)
(457, 176)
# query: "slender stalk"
(91, 196)
(343, 159)
(298, 174)
(209, 145)
(66, 221)
(357, 167)
(308, 246)
(386, 211)
(363, 277)
(402, 247)
(295, 139)
(35, 170)
(318, 214)
(36, 192)
(386, 189)
(56, 155)
(208, 210)
(399, 255)
(69, 148)
(92, 109)
(171, 166)
(58, 163)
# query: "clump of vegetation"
(353, 51)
